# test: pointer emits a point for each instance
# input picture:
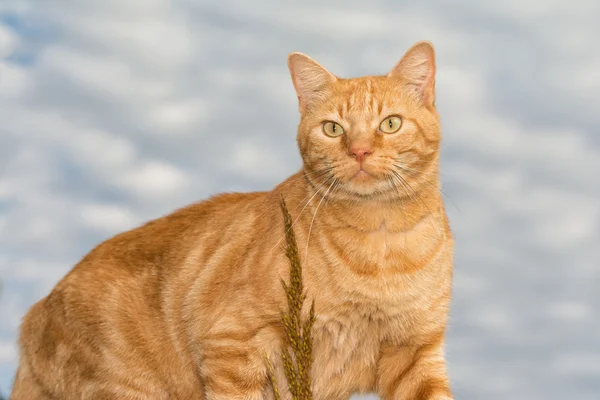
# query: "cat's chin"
(366, 188)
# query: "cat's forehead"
(364, 95)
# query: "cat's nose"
(360, 153)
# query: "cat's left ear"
(309, 78)
(417, 68)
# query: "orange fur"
(186, 306)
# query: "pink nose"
(360, 153)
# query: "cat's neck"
(400, 215)
(396, 215)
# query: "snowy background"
(116, 112)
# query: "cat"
(188, 306)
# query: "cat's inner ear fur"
(309, 78)
(417, 69)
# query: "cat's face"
(372, 137)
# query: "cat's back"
(146, 257)
(109, 311)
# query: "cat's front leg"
(233, 373)
(413, 372)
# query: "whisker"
(438, 187)
(321, 173)
(419, 162)
(313, 221)
(305, 205)
(417, 199)
(336, 185)
(266, 204)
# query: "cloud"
(7, 352)
(153, 179)
(107, 218)
(8, 41)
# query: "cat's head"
(374, 137)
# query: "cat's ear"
(309, 78)
(417, 68)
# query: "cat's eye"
(391, 124)
(332, 129)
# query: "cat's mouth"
(367, 181)
(361, 175)
(354, 181)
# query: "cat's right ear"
(417, 69)
(309, 78)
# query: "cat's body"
(188, 306)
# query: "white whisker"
(416, 197)
(305, 205)
(313, 220)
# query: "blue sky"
(113, 113)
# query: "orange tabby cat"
(186, 306)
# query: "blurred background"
(116, 112)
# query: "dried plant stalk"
(297, 353)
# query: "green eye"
(332, 129)
(391, 124)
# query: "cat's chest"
(345, 349)
(370, 253)
(346, 346)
